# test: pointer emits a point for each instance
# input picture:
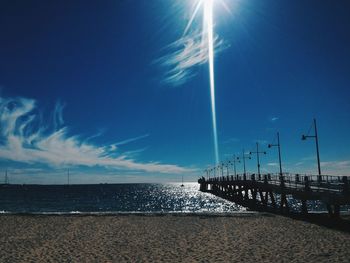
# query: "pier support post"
(254, 192)
(262, 199)
(266, 198)
(284, 202)
(246, 196)
(336, 210)
(304, 207)
(272, 200)
(345, 185)
(240, 194)
(307, 183)
(333, 210)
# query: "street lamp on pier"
(234, 161)
(244, 157)
(257, 157)
(227, 165)
(278, 145)
(207, 171)
(222, 168)
(304, 137)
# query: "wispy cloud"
(231, 141)
(261, 142)
(58, 115)
(183, 56)
(308, 165)
(24, 139)
(337, 164)
(273, 119)
(337, 167)
(299, 163)
(309, 158)
(131, 140)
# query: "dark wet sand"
(170, 238)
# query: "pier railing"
(294, 181)
(332, 190)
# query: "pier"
(273, 192)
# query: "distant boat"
(182, 184)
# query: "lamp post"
(258, 159)
(278, 145)
(234, 161)
(227, 167)
(222, 169)
(304, 137)
(244, 157)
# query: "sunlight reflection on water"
(120, 198)
(189, 199)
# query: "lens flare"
(207, 48)
(208, 21)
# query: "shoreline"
(175, 213)
(78, 213)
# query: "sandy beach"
(168, 238)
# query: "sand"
(169, 238)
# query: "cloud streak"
(187, 53)
(184, 55)
(131, 140)
(58, 115)
(339, 167)
(23, 139)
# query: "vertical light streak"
(198, 5)
(208, 20)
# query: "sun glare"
(208, 21)
(208, 50)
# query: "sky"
(118, 91)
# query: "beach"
(168, 238)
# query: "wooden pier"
(273, 191)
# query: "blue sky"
(84, 86)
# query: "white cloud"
(21, 141)
(336, 167)
(231, 141)
(58, 115)
(184, 55)
(309, 158)
(309, 166)
(261, 142)
(131, 140)
(337, 164)
(299, 163)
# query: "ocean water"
(112, 198)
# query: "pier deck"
(270, 191)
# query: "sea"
(123, 198)
(111, 198)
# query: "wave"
(116, 213)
